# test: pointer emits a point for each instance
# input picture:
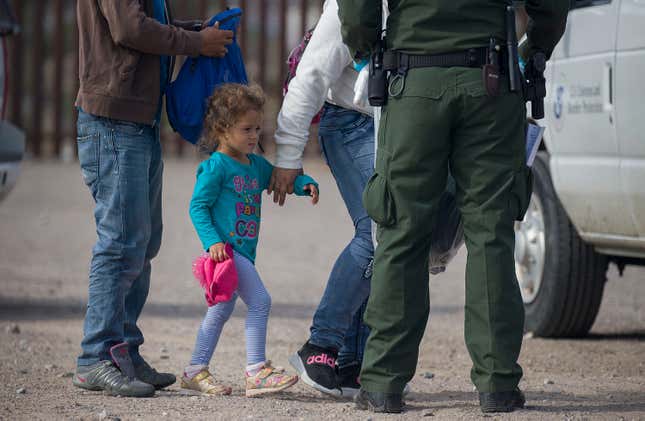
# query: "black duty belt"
(395, 60)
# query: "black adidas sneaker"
(316, 367)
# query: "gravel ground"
(47, 231)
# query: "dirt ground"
(46, 234)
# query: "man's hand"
(215, 40)
(218, 252)
(281, 183)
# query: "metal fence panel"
(44, 65)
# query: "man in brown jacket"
(127, 50)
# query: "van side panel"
(585, 159)
(630, 113)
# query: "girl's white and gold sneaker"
(204, 382)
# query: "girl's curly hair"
(224, 108)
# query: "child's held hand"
(313, 192)
(218, 252)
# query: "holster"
(377, 81)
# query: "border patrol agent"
(441, 116)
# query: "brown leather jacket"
(119, 47)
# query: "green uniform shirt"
(439, 26)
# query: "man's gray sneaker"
(104, 375)
(149, 375)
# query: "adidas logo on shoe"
(321, 359)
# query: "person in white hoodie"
(330, 360)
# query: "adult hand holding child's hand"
(218, 252)
(281, 183)
(215, 40)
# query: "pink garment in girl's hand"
(219, 280)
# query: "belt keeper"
(404, 64)
(401, 72)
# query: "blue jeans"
(121, 164)
(347, 141)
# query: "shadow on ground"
(18, 309)
(47, 309)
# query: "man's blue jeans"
(121, 164)
(347, 141)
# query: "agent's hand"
(215, 40)
(218, 252)
(281, 183)
(313, 192)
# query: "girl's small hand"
(313, 192)
(218, 252)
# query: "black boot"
(501, 401)
(391, 403)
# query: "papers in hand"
(533, 138)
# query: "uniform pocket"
(425, 82)
(378, 201)
(476, 89)
(521, 192)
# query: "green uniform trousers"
(443, 121)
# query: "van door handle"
(607, 93)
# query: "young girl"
(225, 208)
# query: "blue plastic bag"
(199, 76)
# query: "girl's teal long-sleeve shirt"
(226, 202)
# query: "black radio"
(377, 81)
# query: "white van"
(588, 204)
